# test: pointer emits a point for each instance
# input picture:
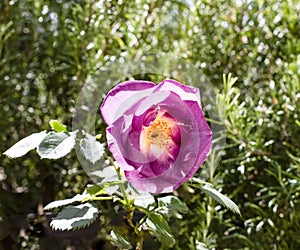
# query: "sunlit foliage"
(49, 48)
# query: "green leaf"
(119, 240)
(145, 200)
(98, 136)
(75, 217)
(57, 126)
(25, 145)
(56, 145)
(108, 180)
(108, 174)
(200, 245)
(159, 226)
(60, 203)
(100, 189)
(95, 190)
(221, 198)
(91, 148)
(172, 204)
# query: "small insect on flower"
(157, 133)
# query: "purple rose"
(156, 133)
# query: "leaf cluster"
(48, 49)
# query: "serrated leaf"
(159, 226)
(56, 145)
(91, 148)
(109, 177)
(75, 217)
(119, 240)
(25, 145)
(60, 203)
(173, 204)
(95, 190)
(221, 198)
(57, 126)
(107, 174)
(102, 188)
(145, 200)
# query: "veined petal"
(122, 97)
(186, 93)
(114, 148)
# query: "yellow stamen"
(159, 133)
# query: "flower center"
(158, 133)
(157, 137)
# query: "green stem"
(95, 198)
(121, 185)
(209, 216)
(128, 205)
(139, 244)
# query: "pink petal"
(186, 93)
(130, 106)
(122, 97)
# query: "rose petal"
(116, 151)
(187, 163)
(122, 97)
(172, 103)
(186, 93)
(149, 167)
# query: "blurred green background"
(49, 48)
